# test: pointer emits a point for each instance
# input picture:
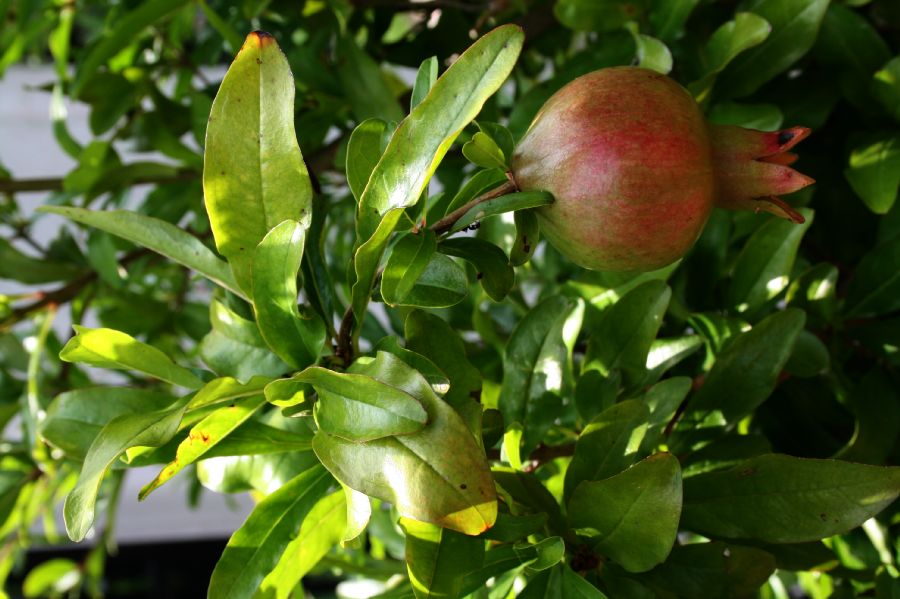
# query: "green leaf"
(743, 32)
(438, 559)
(149, 429)
(874, 287)
(408, 260)
(443, 283)
(235, 348)
(295, 339)
(435, 377)
(764, 266)
(481, 182)
(126, 29)
(765, 117)
(886, 87)
(609, 444)
(632, 517)
(255, 549)
(651, 53)
(202, 437)
(874, 171)
(253, 173)
(365, 86)
(361, 408)
(514, 557)
(107, 348)
(359, 512)
(876, 406)
(746, 371)
(20, 267)
(809, 357)
(496, 275)
(596, 15)
(537, 360)
(426, 76)
(365, 147)
(321, 530)
(432, 337)
(667, 17)
(625, 333)
(704, 570)
(415, 472)
(505, 203)
(500, 135)
(158, 235)
(420, 143)
(528, 234)
(76, 417)
(483, 151)
(560, 581)
(815, 291)
(783, 499)
(795, 24)
(52, 578)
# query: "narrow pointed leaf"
(108, 348)
(418, 146)
(256, 547)
(494, 272)
(253, 173)
(143, 429)
(295, 339)
(158, 235)
(202, 437)
(364, 149)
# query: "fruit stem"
(446, 223)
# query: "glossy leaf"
(609, 444)
(442, 283)
(782, 499)
(202, 437)
(795, 24)
(322, 528)
(522, 200)
(873, 289)
(874, 172)
(434, 375)
(365, 147)
(743, 32)
(76, 417)
(437, 558)
(702, 570)
(358, 407)
(256, 547)
(746, 371)
(668, 17)
(20, 267)
(624, 335)
(158, 235)
(426, 76)
(632, 517)
(483, 151)
(597, 15)
(433, 338)
(528, 234)
(107, 348)
(408, 260)
(52, 578)
(537, 360)
(296, 339)
(253, 173)
(235, 348)
(415, 472)
(886, 87)
(494, 272)
(150, 429)
(764, 266)
(560, 581)
(418, 146)
(652, 54)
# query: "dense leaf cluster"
(332, 297)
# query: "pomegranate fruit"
(636, 169)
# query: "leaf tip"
(260, 39)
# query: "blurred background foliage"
(149, 71)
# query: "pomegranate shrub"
(475, 299)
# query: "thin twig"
(446, 223)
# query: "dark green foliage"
(332, 296)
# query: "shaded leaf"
(437, 559)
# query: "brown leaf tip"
(263, 38)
